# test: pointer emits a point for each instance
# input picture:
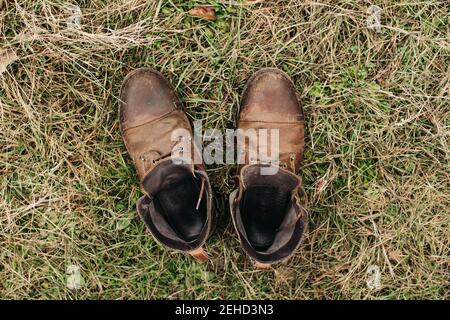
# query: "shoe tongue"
(258, 175)
(164, 174)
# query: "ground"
(376, 171)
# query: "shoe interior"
(177, 202)
(263, 209)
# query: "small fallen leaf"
(7, 56)
(207, 13)
(322, 184)
(396, 255)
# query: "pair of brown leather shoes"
(177, 203)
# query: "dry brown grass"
(376, 169)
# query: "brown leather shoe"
(265, 209)
(177, 205)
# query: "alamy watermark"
(373, 277)
(374, 19)
(73, 19)
(234, 147)
(74, 279)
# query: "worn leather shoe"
(177, 202)
(266, 210)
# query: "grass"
(376, 168)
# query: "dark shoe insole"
(178, 202)
(263, 210)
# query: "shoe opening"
(178, 203)
(263, 209)
(178, 211)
